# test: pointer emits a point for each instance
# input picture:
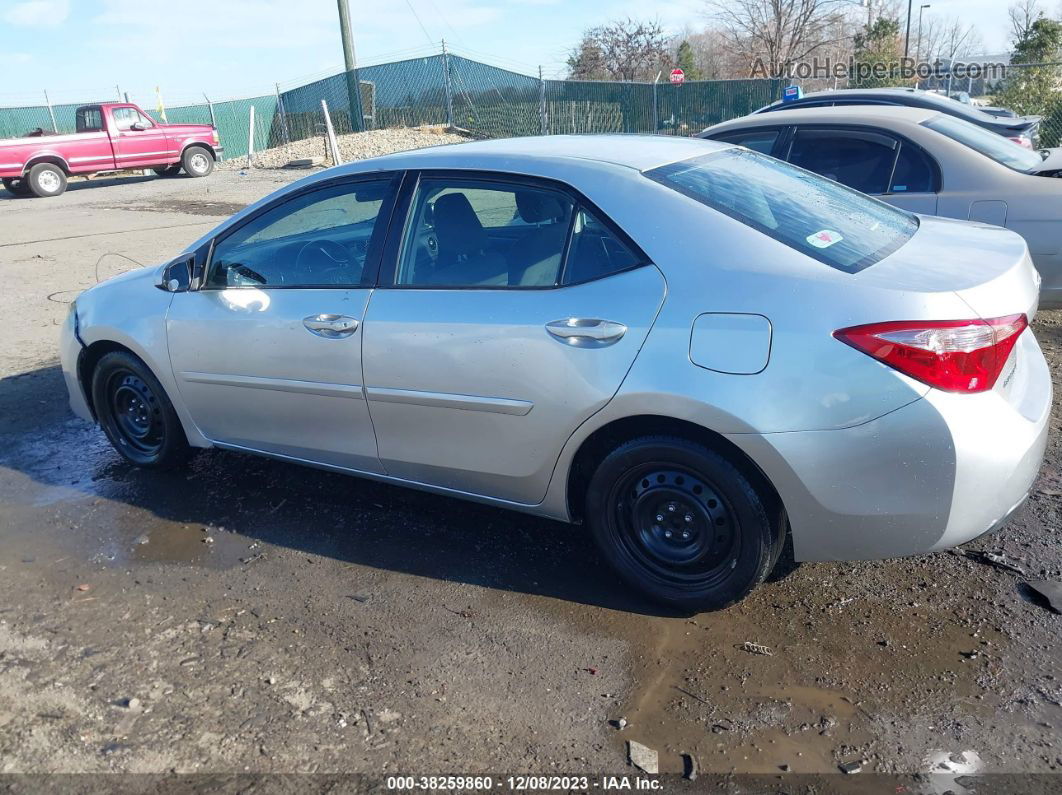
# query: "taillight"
(217, 139)
(1021, 140)
(952, 355)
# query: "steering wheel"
(323, 257)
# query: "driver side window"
(318, 239)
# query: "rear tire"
(681, 523)
(197, 161)
(16, 186)
(135, 413)
(168, 171)
(46, 180)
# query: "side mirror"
(176, 276)
(137, 127)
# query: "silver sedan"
(926, 162)
(688, 347)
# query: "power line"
(416, 16)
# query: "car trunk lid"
(987, 267)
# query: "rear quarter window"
(826, 221)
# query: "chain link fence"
(446, 89)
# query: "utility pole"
(907, 35)
(918, 52)
(357, 120)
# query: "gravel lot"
(249, 615)
(355, 146)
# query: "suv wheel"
(197, 161)
(681, 523)
(46, 179)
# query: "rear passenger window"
(595, 251)
(483, 233)
(859, 161)
(757, 140)
(474, 233)
(914, 172)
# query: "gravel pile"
(355, 146)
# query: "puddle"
(219, 209)
(947, 770)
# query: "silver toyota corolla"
(687, 346)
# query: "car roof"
(845, 114)
(639, 152)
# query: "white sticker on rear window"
(824, 239)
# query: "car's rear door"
(267, 354)
(873, 161)
(508, 312)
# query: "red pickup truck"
(109, 137)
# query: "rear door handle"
(330, 326)
(586, 332)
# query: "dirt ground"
(249, 615)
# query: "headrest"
(535, 206)
(457, 228)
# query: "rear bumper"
(936, 473)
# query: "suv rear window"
(813, 215)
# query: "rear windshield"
(988, 143)
(829, 222)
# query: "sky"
(82, 50)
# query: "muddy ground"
(249, 615)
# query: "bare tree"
(949, 40)
(776, 33)
(621, 50)
(1022, 16)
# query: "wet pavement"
(250, 615)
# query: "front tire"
(197, 161)
(681, 523)
(46, 180)
(134, 412)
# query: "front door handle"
(585, 332)
(330, 327)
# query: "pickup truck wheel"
(46, 179)
(197, 161)
(17, 186)
(168, 171)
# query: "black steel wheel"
(135, 412)
(682, 523)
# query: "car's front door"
(872, 161)
(514, 313)
(138, 140)
(267, 354)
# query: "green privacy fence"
(446, 89)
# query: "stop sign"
(677, 77)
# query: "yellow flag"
(159, 107)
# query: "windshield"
(988, 143)
(820, 218)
